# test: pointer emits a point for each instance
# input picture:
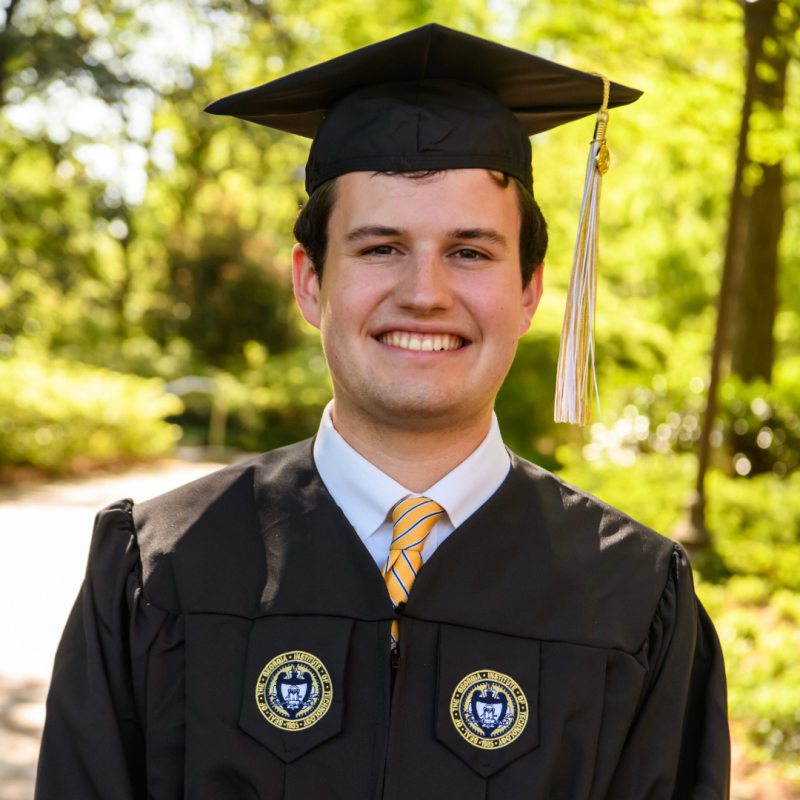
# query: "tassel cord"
(577, 339)
(577, 374)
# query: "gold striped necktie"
(413, 519)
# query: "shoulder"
(617, 568)
(113, 560)
(585, 517)
(201, 541)
(230, 489)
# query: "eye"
(380, 250)
(469, 254)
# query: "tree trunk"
(753, 347)
(691, 529)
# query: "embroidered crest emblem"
(489, 709)
(294, 691)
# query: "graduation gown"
(572, 629)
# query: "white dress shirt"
(366, 495)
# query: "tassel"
(576, 370)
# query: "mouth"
(431, 342)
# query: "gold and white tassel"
(576, 376)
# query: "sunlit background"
(146, 317)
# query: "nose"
(424, 286)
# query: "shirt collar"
(464, 490)
(366, 494)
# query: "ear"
(531, 295)
(306, 285)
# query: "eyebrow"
(368, 231)
(487, 234)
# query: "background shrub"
(56, 415)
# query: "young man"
(399, 608)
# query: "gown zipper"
(394, 666)
(395, 657)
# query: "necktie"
(413, 520)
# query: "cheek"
(496, 309)
(349, 301)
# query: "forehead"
(464, 198)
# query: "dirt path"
(44, 540)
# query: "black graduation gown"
(187, 597)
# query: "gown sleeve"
(93, 742)
(679, 745)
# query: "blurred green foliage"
(757, 429)
(277, 400)
(142, 240)
(760, 637)
(58, 415)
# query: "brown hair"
(311, 226)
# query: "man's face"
(421, 303)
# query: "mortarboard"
(435, 98)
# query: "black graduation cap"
(436, 99)
(431, 98)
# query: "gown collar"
(317, 563)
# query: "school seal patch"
(489, 709)
(294, 691)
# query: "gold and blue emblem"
(294, 691)
(489, 709)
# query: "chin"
(419, 406)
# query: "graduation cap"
(434, 99)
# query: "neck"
(416, 459)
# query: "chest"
(314, 706)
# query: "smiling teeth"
(418, 341)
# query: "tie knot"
(413, 519)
